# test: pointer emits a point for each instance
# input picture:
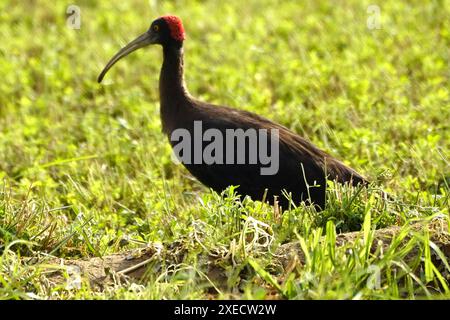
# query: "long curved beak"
(143, 40)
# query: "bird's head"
(166, 31)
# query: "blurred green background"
(91, 166)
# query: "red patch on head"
(176, 27)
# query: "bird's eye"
(156, 28)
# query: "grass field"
(85, 170)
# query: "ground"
(86, 173)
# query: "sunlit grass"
(85, 170)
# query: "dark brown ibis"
(295, 167)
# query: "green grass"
(85, 170)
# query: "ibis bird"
(299, 170)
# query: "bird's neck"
(172, 89)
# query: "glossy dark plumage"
(296, 155)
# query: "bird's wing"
(292, 146)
